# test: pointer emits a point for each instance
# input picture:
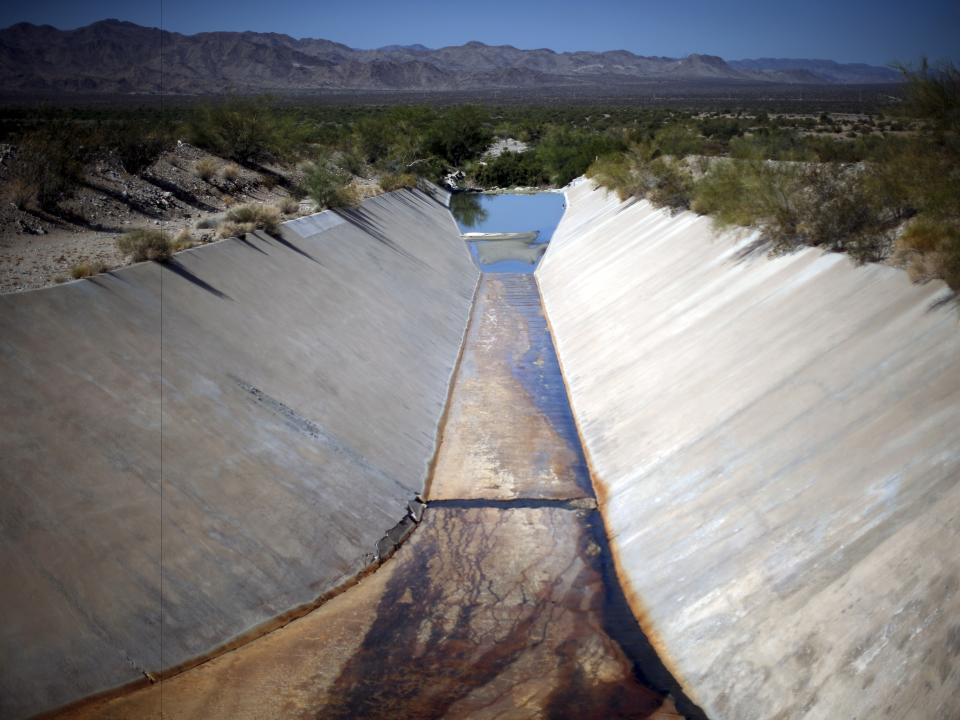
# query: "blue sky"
(878, 31)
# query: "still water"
(537, 214)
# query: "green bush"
(566, 153)
(397, 181)
(247, 131)
(145, 244)
(48, 166)
(933, 94)
(511, 169)
(328, 187)
(671, 185)
(678, 140)
(613, 171)
(459, 134)
(138, 144)
(643, 172)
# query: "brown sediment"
(682, 690)
(483, 611)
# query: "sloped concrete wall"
(777, 447)
(250, 418)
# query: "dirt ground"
(38, 248)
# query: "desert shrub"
(246, 130)
(87, 269)
(678, 140)
(459, 134)
(376, 137)
(798, 204)
(725, 192)
(206, 168)
(145, 244)
(670, 184)
(289, 206)
(931, 249)
(836, 211)
(48, 165)
(208, 223)
(137, 144)
(511, 169)
(613, 172)
(22, 192)
(230, 172)
(643, 172)
(397, 181)
(933, 94)
(243, 219)
(183, 240)
(566, 153)
(328, 187)
(772, 144)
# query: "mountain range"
(113, 56)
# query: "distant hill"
(826, 71)
(112, 56)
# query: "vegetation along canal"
(504, 601)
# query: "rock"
(416, 507)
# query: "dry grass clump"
(183, 240)
(397, 181)
(206, 168)
(145, 244)
(289, 206)
(22, 193)
(247, 218)
(230, 172)
(86, 269)
(929, 249)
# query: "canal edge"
(686, 700)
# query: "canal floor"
(501, 604)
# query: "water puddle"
(507, 233)
(509, 430)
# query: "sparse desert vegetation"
(877, 181)
(145, 244)
(87, 269)
(877, 198)
(244, 219)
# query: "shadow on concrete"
(174, 266)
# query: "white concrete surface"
(776, 443)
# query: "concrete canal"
(503, 603)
